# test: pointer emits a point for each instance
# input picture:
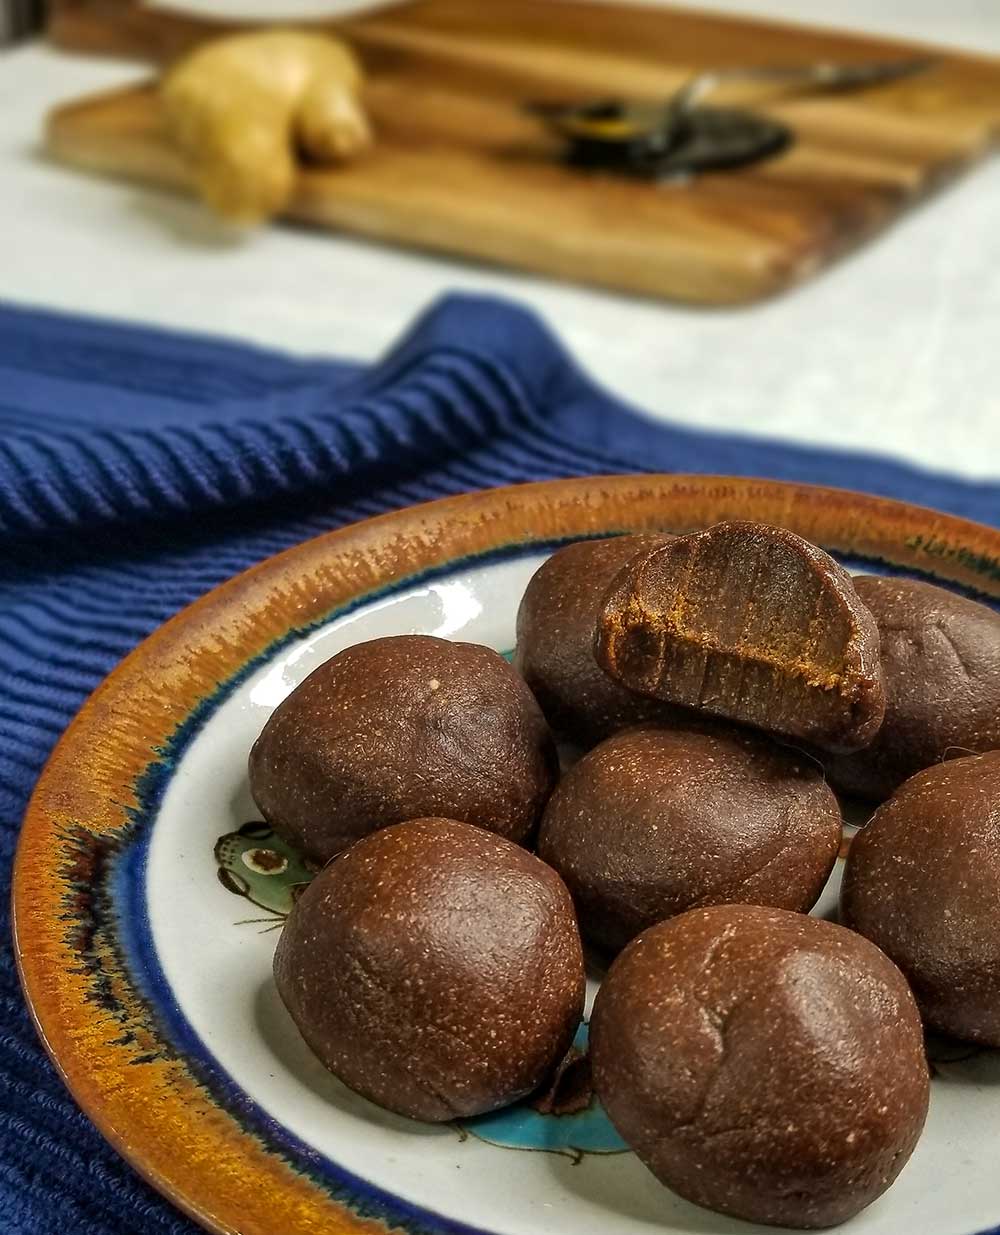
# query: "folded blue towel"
(138, 469)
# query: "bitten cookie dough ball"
(556, 624)
(750, 623)
(922, 881)
(941, 662)
(655, 821)
(398, 728)
(763, 1064)
(435, 968)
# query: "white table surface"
(896, 349)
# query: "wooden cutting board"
(461, 168)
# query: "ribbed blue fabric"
(138, 469)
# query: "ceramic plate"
(148, 894)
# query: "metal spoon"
(827, 75)
(684, 135)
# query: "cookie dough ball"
(556, 624)
(435, 968)
(398, 728)
(750, 623)
(763, 1064)
(922, 881)
(655, 821)
(941, 662)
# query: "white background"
(894, 350)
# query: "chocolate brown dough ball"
(750, 623)
(922, 881)
(435, 968)
(763, 1064)
(402, 727)
(655, 821)
(941, 661)
(556, 624)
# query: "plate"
(148, 894)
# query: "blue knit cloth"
(138, 469)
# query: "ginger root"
(240, 108)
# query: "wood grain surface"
(461, 168)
